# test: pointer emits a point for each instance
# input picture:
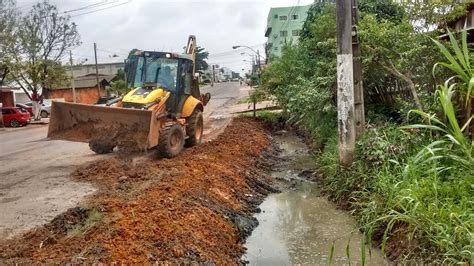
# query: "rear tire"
(171, 141)
(14, 123)
(44, 114)
(194, 128)
(101, 148)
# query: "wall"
(6, 98)
(21, 97)
(83, 95)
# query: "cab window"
(186, 76)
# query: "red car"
(25, 107)
(14, 117)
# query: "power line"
(87, 7)
(97, 10)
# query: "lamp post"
(250, 48)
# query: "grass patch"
(414, 212)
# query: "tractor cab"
(151, 74)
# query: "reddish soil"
(196, 207)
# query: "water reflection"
(299, 227)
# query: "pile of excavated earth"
(196, 207)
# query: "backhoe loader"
(163, 109)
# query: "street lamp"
(251, 49)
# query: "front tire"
(100, 148)
(194, 129)
(14, 123)
(44, 114)
(171, 141)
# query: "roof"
(88, 81)
(103, 64)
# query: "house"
(86, 89)
(284, 25)
(7, 96)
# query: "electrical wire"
(101, 9)
(88, 7)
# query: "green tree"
(8, 22)
(201, 56)
(119, 86)
(43, 37)
(428, 14)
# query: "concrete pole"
(359, 112)
(345, 83)
(72, 78)
(258, 62)
(96, 69)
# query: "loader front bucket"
(131, 129)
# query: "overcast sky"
(165, 25)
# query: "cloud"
(165, 25)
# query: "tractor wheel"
(171, 141)
(14, 123)
(100, 148)
(194, 129)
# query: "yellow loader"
(163, 109)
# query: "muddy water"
(300, 226)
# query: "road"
(34, 173)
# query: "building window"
(294, 17)
(275, 16)
(275, 48)
(100, 67)
(283, 33)
(296, 32)
(284, 18)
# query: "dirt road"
(34, 172)
(196, 207)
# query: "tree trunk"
(36, 110)
(392, 69)
(2, 125)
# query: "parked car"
(15, 117)
(25, 107)
(45, 109)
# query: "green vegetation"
(411, 185)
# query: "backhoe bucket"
(131, 129)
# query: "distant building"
(86, 89)
(284, 24)
(103, 69)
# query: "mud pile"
(194, 208)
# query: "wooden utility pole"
(345, 83)
(359, 113)
(72, 78)
(96, 68)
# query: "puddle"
(300, 226)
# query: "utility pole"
(258, 62)
(72, 78)
(213, 74)
(359, 113)
(345, 83)
(96, 68)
